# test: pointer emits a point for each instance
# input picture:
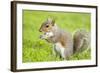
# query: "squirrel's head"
(46, 28)
(47, 25)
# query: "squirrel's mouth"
(46, 35)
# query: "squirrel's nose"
(40, 30)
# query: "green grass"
(37, 50)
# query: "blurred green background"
(37, 50)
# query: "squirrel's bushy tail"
(81, 40)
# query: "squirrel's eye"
(47, 26)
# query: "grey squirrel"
(64, 43)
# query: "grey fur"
(80, 40)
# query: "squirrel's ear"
(53, 22)
(49, 20)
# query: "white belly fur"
(60, 49)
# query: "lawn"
(37, 50)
